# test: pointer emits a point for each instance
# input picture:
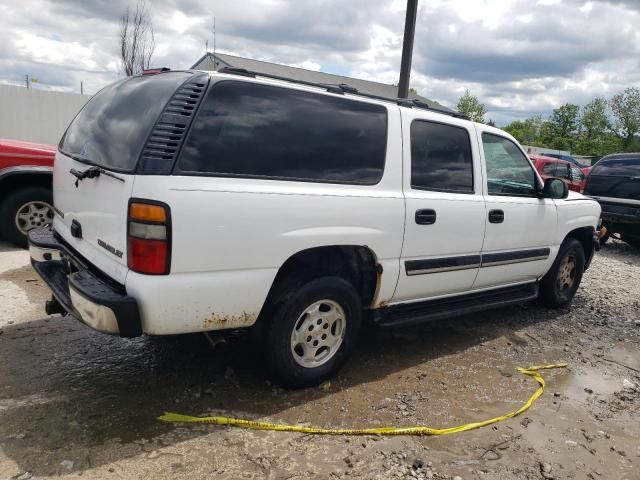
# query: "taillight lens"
(149, 237)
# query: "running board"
(409, 314)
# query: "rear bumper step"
(454, 306)
(81, 292)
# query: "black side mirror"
(555, 188)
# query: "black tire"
(555, 289)
(278, 344)
(633, 241)
(13, 203)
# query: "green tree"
(594, 125)
(625, 108)
(563, 126)
(470, 106)
(527, 131)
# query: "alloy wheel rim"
(318, 333)
(32, 215)
(566, 274)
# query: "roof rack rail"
(414, 102)
(341, 89)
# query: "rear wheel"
(24, 210)
(312, 332)
(561, 282)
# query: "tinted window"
(112, 127)
(617, 167)
(441, 158)
(563, 171)
(255, 130)
(508, 170)
(549, 168)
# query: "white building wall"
(37, 115)
(542, 150)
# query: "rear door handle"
(496, 216)
(425, 217)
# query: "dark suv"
(615, 182)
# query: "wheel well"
(356, 264)
(585, 236)
(10, 183)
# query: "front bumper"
(619, 213)
(94, 300)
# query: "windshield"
(112, 127)
(618, 167)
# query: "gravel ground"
(74, 402)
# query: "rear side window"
(563, 170)
(250, 130)
(113, 126)
(441, 158)
(628, 167)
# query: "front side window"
(441, 158)
(249, 130)
(576, 174)
(508, 170)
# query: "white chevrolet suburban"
(192, 201)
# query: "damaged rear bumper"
(94, 300)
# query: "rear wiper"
(92, 172)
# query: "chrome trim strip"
(613, 200)
(442, 269)
(446, 264)
(508, 262)
(466, 262)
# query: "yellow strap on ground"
(418, 430)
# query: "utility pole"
(81, 88)
(26, 79)
(214, 44)
(407, 48)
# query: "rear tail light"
(149, 237)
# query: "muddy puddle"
(74, 402)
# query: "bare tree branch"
(137, 39)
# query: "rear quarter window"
(113, 126)
(262, 131)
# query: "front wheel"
(561, 282)
(633, 241)
(313, 332)
(23, 210)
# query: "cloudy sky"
(520, 57)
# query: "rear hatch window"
(111, 129)
(615, 178)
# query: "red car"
(25, 188)
(549, 167)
